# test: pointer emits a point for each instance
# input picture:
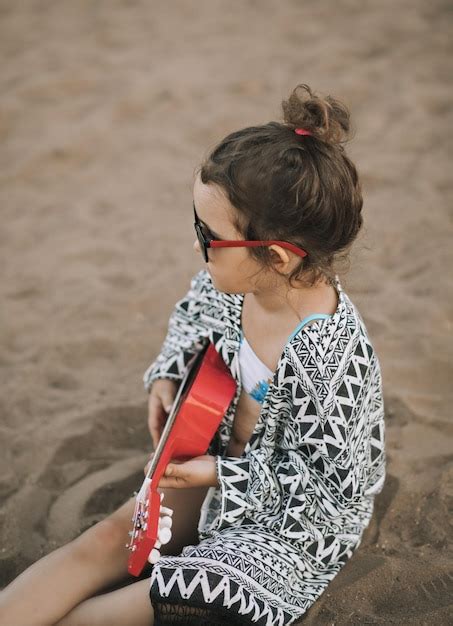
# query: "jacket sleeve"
(185, 335)
(330, 455)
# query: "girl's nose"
(196, 245)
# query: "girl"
(266, 519)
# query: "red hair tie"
(302, 131)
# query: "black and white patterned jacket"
(316, 458)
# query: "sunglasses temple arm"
(255, 244)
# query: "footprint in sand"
(421, 595)
(95, 472)
(70, 513)
(438, 591)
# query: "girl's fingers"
(171, 470)
(167, 402)
(166, 399)
(149, 463)
(160, 403)
(154, 436)
(170, 482)
(156, 419)
(173, 477)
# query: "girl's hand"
(197, 472)
(146, 468)
(161, 398)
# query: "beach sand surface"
(106, 110)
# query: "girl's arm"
(184, 336)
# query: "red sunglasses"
(207, 240)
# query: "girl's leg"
(186, 505)
(96, 560)
(130, 605)
(52, 586)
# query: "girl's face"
(231, 269)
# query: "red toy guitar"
(203, 397)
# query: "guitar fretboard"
(192, 368)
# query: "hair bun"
(325, 117)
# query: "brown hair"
(289, 187)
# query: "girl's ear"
(280, 256)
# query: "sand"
(106, 109)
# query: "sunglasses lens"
(203, 248)
(201, 241)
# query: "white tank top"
(255, 375)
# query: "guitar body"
(200, 404)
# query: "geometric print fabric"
(292, 509)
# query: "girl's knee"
(107, 537)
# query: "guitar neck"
(183, 388)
